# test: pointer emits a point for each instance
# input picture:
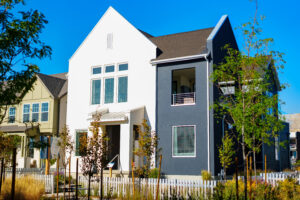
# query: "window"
(12, 115)
(122, 89)
(26, 111)
(97, 70)
(184, 140)
(81, 143)
(109, 90)
(96, 91)
(109, 40)
(31, 148)
(35, 112)
(109, 69)
(123, 67)
(45, 111)
(183, 86)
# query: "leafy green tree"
(19, 44)
(146, 149)
(226, 152)
(246, 80)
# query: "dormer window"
(109, 40)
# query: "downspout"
(208, 122)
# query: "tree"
(19, 44)
(95, 149)
(146, 149)
(226, 152)
(249, 75)
(66, 146)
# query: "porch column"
(125, 147)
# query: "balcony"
(183, 98)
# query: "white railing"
(183, 98)
(168, 188)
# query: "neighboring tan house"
(41, 113)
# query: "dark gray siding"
(168, 116)
(284, 153)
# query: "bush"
(153, 173)
(206, 175)
(26, 188)
(289, 189)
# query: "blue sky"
(71, 20)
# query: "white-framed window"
(96, 91)
(122, 89)
(12, 115)
(123, 67)
(26, 112)
(109, 68)
(109, 90)
(35, 112)
(110, 40)
(184, 141)
(96, 70)
(45, 112)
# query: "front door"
(113, 133)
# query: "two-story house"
(41, 113)
(129, 75)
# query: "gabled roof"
(181, 44)
(54, 83)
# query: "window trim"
(25, 113)
(44, 112)
(11, 115)
(96, 66)
(195, 149)
(36, 112)
(117, 89)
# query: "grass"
(27, 188)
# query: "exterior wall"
(129, 46)
(284, 152)
(62, 112)
(168, 116)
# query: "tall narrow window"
(81, 142)
(45, 112)
(109, 90)
(26, 111)
(184, 138)
(122, 89)
(96, 91)
(109, 40)
(12, 115)
(35, 112)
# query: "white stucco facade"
(129, 46)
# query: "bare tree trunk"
(89, 187)
(13, 182)
(65, 174)
(254, 164)
(1, 173)
(101, 183)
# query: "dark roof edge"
(217, 27)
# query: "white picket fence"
(48, 180)
(274, 178)
(168, 188)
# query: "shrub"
(289, 189)
(206, 175)
(153, 173)
(26, 188)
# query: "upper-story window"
(123, 67)
(109, 90)
(45, 112)
(109, 40)
(26, 112)
(96, 91)
(122, 89)
(35, 112)
(12, 115)
(110, 68)
(183, 86)
(96, 70)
